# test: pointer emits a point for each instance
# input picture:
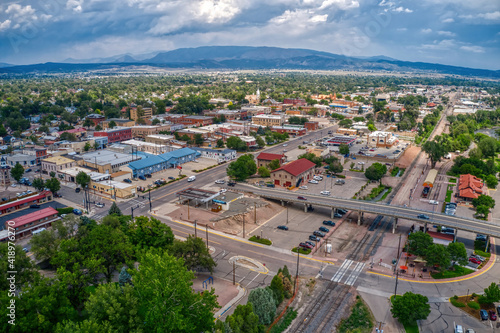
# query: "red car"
(493, 315)
(475, 261)
(301, 198)
(306, 246)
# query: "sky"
(452, 32)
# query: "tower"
(4, 172)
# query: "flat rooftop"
(103, 157)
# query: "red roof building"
(294, 173)
(265, 158)
(79, 132)
(431, 104)
(26, 224)
(470, 187)
(22, 203)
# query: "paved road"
(462, 223)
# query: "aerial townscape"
(249, 189)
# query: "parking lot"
(390, 153)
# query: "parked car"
(342, 211)
(282, 227)
(28, 170)
(459, 329)
(126, 180)
(77, 190)
(423, 216)
(286, 144)
(493, 315)
(474, 261)
(220, 181)
(77, 212)
(478, 257)
(498, 309)
(13, 185)
(99, 204)
(470, 330)
(317, 178)
(339, 182)
(312, 181)
(314, 238)
(325, 192)
(141, 177)
(231, 183)
(328, 222)
(318, 233)
(303, 187)
(148, 175)
(310, 243)
(305, 245)
(268, 185)
(324, 229)
(25, 249)
(481, 237)
(301, 198)
(434, 202)
(35, 206)
(337, 215)
(483, 314)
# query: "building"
(470, 187)
(148, 147)
(255, 110)
(159, 139)
(69, 175)
(338, 140)
(311, 125)
(106, 161)
(294, 173)
(101, 141)
(56, 164)
(26, 224)
(291, 130)
(27, 161)
(76, 146)
(250, 141)
(120, 122)
(220, 155)
(295, 101)
(116, 134)
(78, 132)
(113, 189)
(347, 131)
(265, 158)
(16, 204)
(96, 118)
(140, 113)
(268, 120)
(382, 139)
(191, 133)
(196, 121)
(4, 172)
(142, 131)
(155, 163)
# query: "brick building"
(295, 101)
(293, 131)
(268, 120)
(116, 134)
(265, 158)
(137, 113)
(119, 122)
(26, 224)
(311, 125)
(24, 202)
(294, 173)
(142, 131)
(470, 187)
(56, 164)
(96, 118)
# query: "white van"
(192, 179)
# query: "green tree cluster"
(376, 171)
(242, 168)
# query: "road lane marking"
(343, 269)
(290, 261)
(355, 274)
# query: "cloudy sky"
(454, 32)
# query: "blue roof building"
(155, 163)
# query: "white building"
(220, 155)
(381, 139)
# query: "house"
(470, 187)
(220, 155)
(294, 173)
(265, 158)
(120, 122)
(78, 132)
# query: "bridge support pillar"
(394, 225)
(359, 218)
(425, 227)
(455, 235)
(487, 244)
(333, 212)
(282, 203)
(305, 208)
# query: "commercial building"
(27, 161)
(140, 113)
(255, 110)
(24, 202)
(113, 189)
(291, 130)
(268, 120)
(120, 122)
(311, 125)
(295, 101)
(96, 118)
(106, 161)
(26, 224)
(265, 158)
(4, 172)
(116, 134)
(155, 163)
(249, 140)
(470, 187)
(347, 131)
(142, 131)
(79, 132)
(338, 140)
(147, 147)
(159, 139)
(382, 139)
(196, 121)
(69, 175)
(220, 155)
(191, 133)
(56, 163)
(294, 173)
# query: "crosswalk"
(344, 269)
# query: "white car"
(13, 185)
(361, 162)
(220, 181)
(313, 181)
(99, 204)
(317, 178)
(434, 202)
(303, 187)
(223, 190)
(286, 144)
(325, 192)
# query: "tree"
(98, 127)
(124, 277)
(483, 210)
(263, 304)
(437, 255)
(244, 320)
(260, 142)
(87, 146)
(476, 153)
(195, 253)
(53, 184)
(492, 293)
(242, 168)
(376, 171)
(169, 304)
(96, 145)
(435, 151)
(410, 307)
(52, 174)
(264, 172)
(236, 143)
(112, 124)
(343, 149)
(68, 137)
(155, 121)
(346, 123)
(335, 167)
(26, 271)
(3, 131)
(483, 200)
(38, 184)
(418, 242)
(114, 210)
(115, 306)
(17, 172)
(491, 181)
(198, 139)
(274, 164)
(88, 123)
(220, 143)
(488, 146)
(277, 288)
(149, 232)
(457, 252)
(82, 179)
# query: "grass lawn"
(301, 250)
(452, 180)
(457, 271)
(361, 319)
(412, 328)
(257, 239)
(448, 195)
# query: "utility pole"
(396, 266)
(188, 209)
(234, 273)
(243, 225)
(255, 213)
(195, 230)
(297, 272)
(287, 212)
(206, 230)
(150, 208)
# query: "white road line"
(252, 280)
(343, 268)
(354, 275)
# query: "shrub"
(65, 210)
(257, 239)
(287, 319)
(456, 303)
(473, 305)
(301, 250)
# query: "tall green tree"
(484, 200)
(335, 167)
(82, 179)
(195, 253)
(264, 172)
(457, 252)
(260, 142)
(410, 307)
(114, 210)
(435, 151)
(53, 184)
(242, 168)
(22, 264)
(148, 232)
(112, 124)
(274, 164)
(17, 172)
(438, 255)
(488, 146)
(166, 298)
(38, 184)
(198, 139)
(343, 149)
(244, 320)
(418, 242)
(492, 293)
(376, 171)
(220, 143)
(263, 304)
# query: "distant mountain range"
(247, 57)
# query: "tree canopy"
(242, 168)
(410, 307)
(376, 171)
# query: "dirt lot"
(408, 157)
